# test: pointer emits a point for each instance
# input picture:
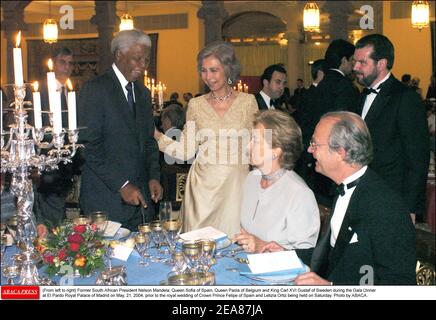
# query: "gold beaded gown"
(213, 190)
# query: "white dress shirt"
(342, 205)
(267, 99)
(285, 212)
(123, 81)
(371, 97)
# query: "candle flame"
(145, 73)
(69, 84)
(17, 43)
(35, 86)
(50, 64)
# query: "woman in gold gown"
(217, 129)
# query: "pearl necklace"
(221, 99)
(273, 177)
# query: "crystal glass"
(178, 260)
(208, 253)
(10, 272)
(165, 210)
(158, 238)
(172, 232)
(145, 229)
(99, 218)
(192, 251)
(141, 244)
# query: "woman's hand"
(271, 247)
(249, 242)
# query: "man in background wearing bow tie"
(370, 238)
(396, 118)
(121, 169)
(273, 82)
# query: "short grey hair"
(225, 53)
(350, 133)
(286, 135)
(126, 38)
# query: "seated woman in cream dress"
(277, 204)
(218, 126)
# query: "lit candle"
(57, 113)
(72, 122)
(160, 94)
(51, 85)
(18, 62)
(37, 106)
(245, 88)
(152, 88)
(145, 78)
(54, 98)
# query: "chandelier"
(311, 17)
(126, 20)
(420, 14)
(50, 29)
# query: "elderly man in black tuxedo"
(273, 82)
(121, 168)
(370, 238)
(397, 121)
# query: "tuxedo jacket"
(118, 147)
(398, 126)
(260, 102)
(385, 236)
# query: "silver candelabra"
(21, 155)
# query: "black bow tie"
(271, 103)
(340, 189)
(367, 91)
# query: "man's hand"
(132, 195)
(271, 247)
(249, 242)
(413, 217)
(156, 190)
(311, 279)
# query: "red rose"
(62, 254)
(80, 229)
(94, 227)
(74, 247)
(75, 238)
(48, 258)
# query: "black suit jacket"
(386, 239)
(260, 102)
(398, 126)
(118, 148)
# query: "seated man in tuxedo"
(370, 238)
(273, 82)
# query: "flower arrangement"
(76, 245)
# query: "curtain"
(255, 58)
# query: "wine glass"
(141, 244)
(10, 272)
(165, 209)
(158, 238)
(99, 218)
(192, 251)
(208, 253)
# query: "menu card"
(274, 261)
(204, 233)
(111, 229)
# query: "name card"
(274, 261)
(204, 233)
(122, 252)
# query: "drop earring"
(229, 81)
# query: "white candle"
(37, 106)
(160, 94)
(18, 62)
(72, 122)
(51, 85)
(57, 112)
(152, 88)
